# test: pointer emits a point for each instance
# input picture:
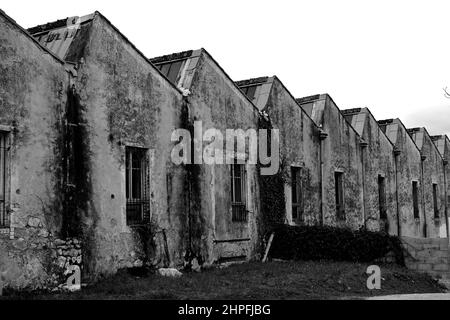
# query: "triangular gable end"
(257, 90)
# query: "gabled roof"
(391, 126)
(257, 90)
(442, 143)
(306, 102)
(59, 35)
(418, 135)
(357, 118)
(180, 68)
(325, 96)
(69, 47)
(27, 34)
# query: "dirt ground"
(256, 280)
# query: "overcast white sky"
(390, 56)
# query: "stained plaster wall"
(379, 160)
(33, 86)
(299, 146)
(126, 102)
(433, 173)
(341, 152)
(218, 103)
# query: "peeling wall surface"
(219, 104)
(76, 96)
(433, 174)
(443, 144)
(408, 170)
(299, 146)
(33, 86)
(341, 153)
(379, 162)
(126, 102)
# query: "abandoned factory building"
(87, 176)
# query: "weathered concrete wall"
(379, 160)
(443, 144)
(408, 170)
(219, 104)
(429, 255)
(341, 152)
(433, 173)
(33, 86)
(299, 146)
(125, 101)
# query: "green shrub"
(331, 243)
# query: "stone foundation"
(429, 255)
(36, 262)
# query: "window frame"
(5, 144)
(297, 190)
(339, 195)
(143, 201)
(415, 202)
(382, 203)
(435, 201)
(238, 208)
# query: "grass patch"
(256, 280)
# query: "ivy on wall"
(272, 201)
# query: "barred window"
(339, 192)
(382, 197)
(297, 194)
(137, 186)
(415, 194)
(4, 219)
(238, 193)
(435, 201)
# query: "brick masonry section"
(429, 255)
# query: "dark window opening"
(415, 187)
(238, 196)
(137, 186)
(4, 219)
(250, 91)
(297, 194)
(435, 200)
(171, 70)
(382, 197)
(339, 192)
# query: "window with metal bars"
(238, 193)
(4, 218)
(137, 186)
(297, 194)
(382, 197)
(415, 194)
(435, 201)
(339, 192)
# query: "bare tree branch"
(446, 93)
